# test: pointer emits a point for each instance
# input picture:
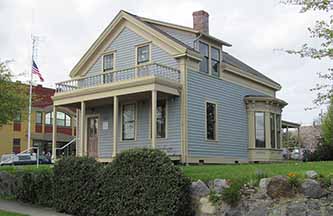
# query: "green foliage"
(294, 180)
(322, 31)
(13, 96)
(35, 187)
(327, 125)
(75, 183)
(215, 197)
(325, 181)
(5, 213)
(261, 174)
(143, 182)
(324, 152)
(232, 194)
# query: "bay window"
(128, 122)
(62, 119)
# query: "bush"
(294, 180)
(323, 152)
(143, 182)
(35, 187)
(232, 194)
(75, 185)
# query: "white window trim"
(113, 52)
(210, 46)
(166, 120)
(135, 124)
(150, 53)
(216, 120)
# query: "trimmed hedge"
(143, 182)
(75, 181)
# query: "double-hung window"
(204, 51)
(215, 61)
(211, 121)
(128, 122)
(260, 129)
(161, 119)
(143, 54)
(108, 62)
(39, 118)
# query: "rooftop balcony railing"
(154, 69)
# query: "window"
(108, 62)
(39, 118)
(62, 119)
(204, 51)
(128, 122)
(272, 116)
(17, 117)
(215, 61)
(16, 146)
(161, 119)
(260, 129)
(278, 130)
(143, 54)
(211, 121)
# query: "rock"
(278, 187)
(311, 188)
(206, 207)
(263, 184)
(296, 209)
(220, 185)
(199, 189)
(7, 184)
(311, 174)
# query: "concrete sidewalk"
(17, 207)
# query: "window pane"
(203, 48)
(48, 118)
(68, 121)
(60, 119)
(161, 119)
(211, 121)
(143, 54)
(215, 61)
(128, 124)
(272, 130)
(260, 129)
(108, 62)
(215, 54)
(39, 117)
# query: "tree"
(13, 95)
(327, 125)
(323, 32)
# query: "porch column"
(115, 125)
(268, 130)
(153, 118)
(77, 126)
(54, 134)
(82, 128)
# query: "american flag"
(35, 71)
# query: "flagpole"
(30, 92)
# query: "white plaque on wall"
(105, 125)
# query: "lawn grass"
(31, 168)
(247, 172)
(5, 213)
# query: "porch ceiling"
(126, 87)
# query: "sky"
(257, 30)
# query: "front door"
(92, 138)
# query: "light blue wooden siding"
(124, 46)
(231, 112)
(171, 144)
(185, 37)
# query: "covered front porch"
(125, 116)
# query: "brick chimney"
(201, 21)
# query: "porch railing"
(154, 69)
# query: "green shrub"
(260, 174)
(143, 182)
(232, 194)
(75, 183)
(294, 180)
(215, 197)
(35, 187)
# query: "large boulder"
(311, 188)
(199, 189)
(311, 174)
(278, 187)
(220, 185)
(7, 184)
(206, 207)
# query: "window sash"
(108, 61)
(16, 142)
(210, 121)
(48, 118)
(39, 118)
(128, 122)
(143, 54)
(204, 51)
(215, 61)
(260, 129)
